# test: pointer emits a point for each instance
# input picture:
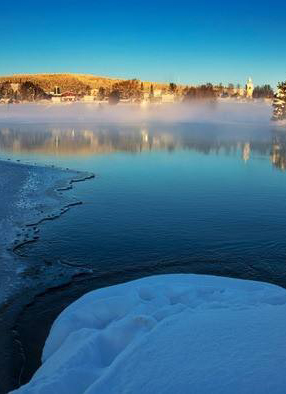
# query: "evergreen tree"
(129, 89)
(6, 90)
(151, 91)
(31, 92)
(172, 87)
(279, 102)
(230, 89)
(264, 91)
(203, 92)
(114, 97)
(101, 93)
(220, 88)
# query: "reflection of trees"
(106, 139)
(15, 140)
(278, 151)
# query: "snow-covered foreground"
(168, 334)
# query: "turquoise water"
(207, 198)
(199, 198)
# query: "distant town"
(67, 88)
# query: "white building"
(88, 99)
(56, 99)
(249, 88)
(168, 98)
(157, 93)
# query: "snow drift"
(168, 334)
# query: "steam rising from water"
(219, 112)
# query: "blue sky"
(181, 41)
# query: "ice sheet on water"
(168, 334)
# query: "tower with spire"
(249, 88)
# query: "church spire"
(249, 88)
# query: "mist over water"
(180, 188)
(78, 129)
(190, 185)
(219, 112)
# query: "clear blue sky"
(181, 41)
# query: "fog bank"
(218, 112)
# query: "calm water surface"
(177, 197)
(199, 198)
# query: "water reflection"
(88, 140)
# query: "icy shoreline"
(30, 195)
(170, 333)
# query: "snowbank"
(168, 334)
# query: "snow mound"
(168, 334)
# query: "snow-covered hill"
(168, 334)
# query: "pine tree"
(279, 102)
(264, 91)
(114, 97)
(172, 87)
(31, 92)
(6, 90)
(101, 93)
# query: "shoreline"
(54, 215)
(37, 196)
